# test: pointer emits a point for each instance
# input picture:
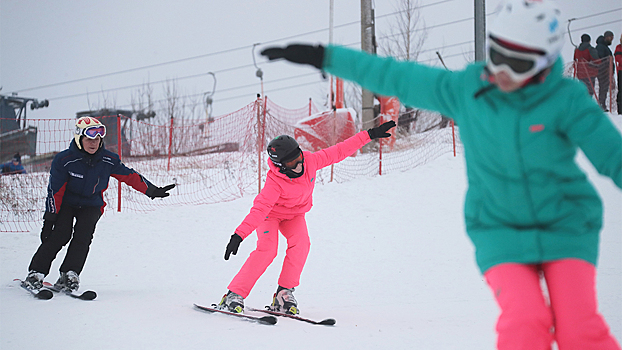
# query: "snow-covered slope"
(389, 260)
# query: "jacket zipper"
(525, 179)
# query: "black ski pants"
(619, 98)
(80, 235)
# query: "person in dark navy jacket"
(78, 178)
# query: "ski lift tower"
(15, 136)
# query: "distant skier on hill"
(530, 211)
(78, 178)
(281, 206)
(14, 166)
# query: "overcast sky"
(90, 54)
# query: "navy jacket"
(80, 179)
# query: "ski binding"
(86, 295)
(43, 293)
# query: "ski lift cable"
(199, 56)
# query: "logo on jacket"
(536, 127)
(79, 176)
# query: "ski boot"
(232, 302)
(284, 301)
(68, 281)
(34, 280)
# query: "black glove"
(232, 247)
(297, 53)
(381, 131)
(46, 231)
(161, 192)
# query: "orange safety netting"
(213, 160)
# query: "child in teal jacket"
(529, 209)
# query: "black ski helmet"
(283, 149)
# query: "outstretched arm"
(342, 150)
(414, 84)
(138, 182)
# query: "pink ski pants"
(294, 228)
(570, 317)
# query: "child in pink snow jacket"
(281, 206)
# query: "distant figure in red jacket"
(583, 56)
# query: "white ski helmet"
(88, 127)
(527, 29)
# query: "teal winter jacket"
(527, 199)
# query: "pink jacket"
(282, 196)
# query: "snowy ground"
(390, 261)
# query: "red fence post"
(380, 157)
(119, 150)
(258, 106)
(170, 145)
(611, 82)
(453, 135)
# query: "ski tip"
(44, 294)
(328, 322)
(268, 320)
(204, 308)
(88, 295)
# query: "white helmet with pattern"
(88, 127)
(525, 37)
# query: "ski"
(326, 322)
(259, 319)
(86, 295)
(43, 293)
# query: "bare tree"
(403, 40)
(142, 99)
(184, 111)
(104, 101)
(406, 34)
(170, 106)
(142, 102)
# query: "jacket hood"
(584, 46)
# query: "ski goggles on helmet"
(292, 164)
(293, 168)
(520, 66)
(93, 131)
